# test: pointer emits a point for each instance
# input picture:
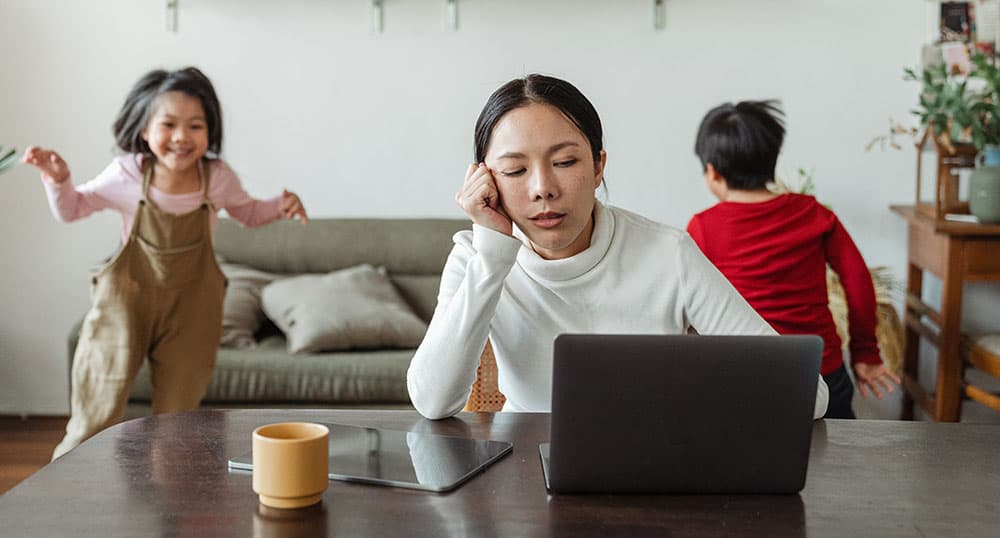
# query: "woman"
(544, 258)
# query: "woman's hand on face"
(292, 207)
(53, 168)
(480, 199)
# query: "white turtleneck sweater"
(636, 277)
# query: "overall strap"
(202, 164)
(147, 177)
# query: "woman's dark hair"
(742, 142)
(138, 107)
(540, 89)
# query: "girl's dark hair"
(541, 89)
(742, 142)
(138, 107)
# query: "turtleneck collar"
(574, 266)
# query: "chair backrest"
(983, 353)
(486, 396)
(889, 329)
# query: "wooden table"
(166, 476)
(956, 253)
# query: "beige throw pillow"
(356, 307)
(242, 315)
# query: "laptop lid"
(682, 414)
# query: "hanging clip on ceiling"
(452, 13)
(659, 14)
(172, 15)
(377, 16)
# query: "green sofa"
(412, 250)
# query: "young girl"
(161, 295)
(544, 258)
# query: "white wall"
(362, 124)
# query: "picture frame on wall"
(956, 22)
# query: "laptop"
(681, 414)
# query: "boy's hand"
(869, 377)
(48, 162)
(480, 199)
(291, 207)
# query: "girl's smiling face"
(177, 131)
(546, 175)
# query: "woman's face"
(546, 176)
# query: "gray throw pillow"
(356, 307)
(242, 314)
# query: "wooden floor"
(26, 446)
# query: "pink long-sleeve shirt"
(119, 187)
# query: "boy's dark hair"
(742, 142)
(541, 89)
(138, 107)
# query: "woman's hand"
(869, 377)
(49, 163)
(291, 207)
(480, 199)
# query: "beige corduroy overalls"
(160, 296)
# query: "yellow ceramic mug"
(290, 464)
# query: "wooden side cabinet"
(956, 253)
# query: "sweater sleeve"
(843, 256)
(713, 306)
(231, 196)
(443, 369)
(69, 203)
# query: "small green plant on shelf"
(983, 124)
(955, 109)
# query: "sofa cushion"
(269, 374)
(355, 308)
(242, 314)
(420, 292)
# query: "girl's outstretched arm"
(231, 196)
(68, 202)
(53, 168)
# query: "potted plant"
(983, 127)
(945, 111)
(984, 123)
(7, 160)
(960, 121)
(946, 108)
(966, 110)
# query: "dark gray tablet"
(681, 414)
(403, 459)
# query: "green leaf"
(8, 160)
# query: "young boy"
(774, 248)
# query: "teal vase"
(984, 194)
(990, 156)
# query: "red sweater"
(775, 253)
